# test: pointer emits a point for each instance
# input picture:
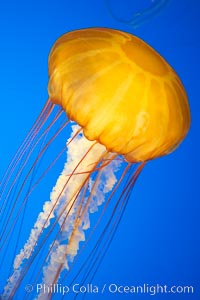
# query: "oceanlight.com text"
(109, 288)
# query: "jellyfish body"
(120, 91)
(130, 107)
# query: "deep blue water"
(158, 240)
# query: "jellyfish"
(137, 12)
(124, 106)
